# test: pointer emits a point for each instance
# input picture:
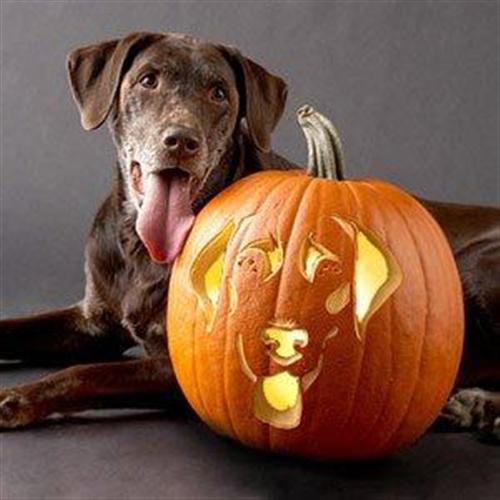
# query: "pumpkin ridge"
(228, 341)
(358, 204)
(307, 186)
(396, 428)
(430, 223)
(388, 390)
(226, 360)
(174, 272)
(195, 370)
(313, 409)
(193, 335)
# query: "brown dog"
(188, 118)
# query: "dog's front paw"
(15, 410)
(465, 409)
(473, 409)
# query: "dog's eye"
(218, 94)
(316, 260)
(149, 81)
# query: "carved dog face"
(346, 274)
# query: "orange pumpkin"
(316, 317)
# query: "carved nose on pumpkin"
(283, 342)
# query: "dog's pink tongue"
(166, 216)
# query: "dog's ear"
(95, 73)
(263, 96)
(377, 274)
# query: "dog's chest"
(144, 303)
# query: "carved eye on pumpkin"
(317, 260)
(270, 254)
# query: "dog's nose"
(182, 141)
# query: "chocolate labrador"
(188, 118)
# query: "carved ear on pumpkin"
(263, 96)
(207, 272)
(377, 274)
(95, 73)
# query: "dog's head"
(175, 104)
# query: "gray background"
(413, 88)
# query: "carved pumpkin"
(316, 317)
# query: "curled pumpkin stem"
(325, 158)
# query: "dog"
(188, 118)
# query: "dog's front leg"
(139, 383)
(63, 336)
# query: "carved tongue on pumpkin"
(166, 216)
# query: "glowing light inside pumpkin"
(277, 398)
(377, 276)
(213, 279)
(207, 273)
(281, 391)
(312, 259)
(284, 341)
(371, 272)
(275, 257)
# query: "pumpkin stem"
(325, 157)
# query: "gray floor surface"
(148, 455)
